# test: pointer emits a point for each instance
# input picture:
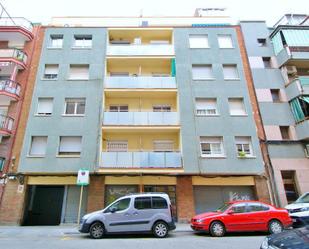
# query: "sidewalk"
(61, 230)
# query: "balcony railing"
(6, 123)
(298, 86)
(141, 160)
(140, 82)
(10, 87)
(16, 21)
(140, 118)
(140, 50)
(13, 53)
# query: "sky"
(42, 10)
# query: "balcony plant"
(242, 154)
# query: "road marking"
(66, 238)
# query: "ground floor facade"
(53, 200)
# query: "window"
(239, 208)
(225, 41)
(117, 146)
(82, 41)
(275, 94)
(206, 106)
(230, 72)
(75, 106)
(211, 146)
(261, 42)
(56, 41)
(2, 162)
(163, 145)
(79, 72)
(202, 72)
(257, 207)
(119, 205)
(266, 62)
(70, 145)
(161, 108)
(45, 106)
(38, 146)
(142, 203)
(51, 72)
(198, 41)
(118, 108)
(243, 146)
(285, 132)
(159, 203)
(289, 184)
(237, 106)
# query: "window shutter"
(45, 106)
(38, 146)
(225, 41)
(117, 146)
(70, 144)
(202, 72)
(198, 41)
(51, 69)
(79, 72)
(237, 107)
(206, 106)
(163, 145)
(230, 72)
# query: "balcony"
(140, 50)
(140, 82)
(141, 160)
(15, 55)
(15, 29)
(6, 125)
(10, 89)
(298, 86)
(302, 130)
(292, 54)
(141, 118)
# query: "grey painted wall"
(88, 126)
(192, 126)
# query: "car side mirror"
(113, 209)
(230, 211)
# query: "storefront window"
(113, 192)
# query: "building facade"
(175, 105)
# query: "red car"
(242, 216)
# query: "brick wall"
(4, 44)
(96, 192)
(261, 189)
(185, 198)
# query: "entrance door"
(44, 205)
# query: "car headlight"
(304, 209)
(265, 243)
(200, 220)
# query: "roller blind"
(198, 41)
(230, 72)
(79, 72)
(225, 41)
(45, 106)
(70, 144)
(51, 69)
(205, 106)
(38, 146)
(237, 106)
(201, 72)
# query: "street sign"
(83, 177)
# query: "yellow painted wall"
(223, 181)
(142, 141)
(136, 180)
(142, 103)
(52, 180)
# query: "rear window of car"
(142, 203)
(159, 203)
(257, 207)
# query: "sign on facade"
(83, 177)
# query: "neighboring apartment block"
(279, 61)
(148, 105)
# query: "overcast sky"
(43, 10)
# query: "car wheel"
(217, 229)
(96, 230)
(160, 229)
(275, 226)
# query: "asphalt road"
(58, 238)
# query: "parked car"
(136, 213)
(294, 238)
(242, 216)
(299, 211)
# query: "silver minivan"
(135, 213)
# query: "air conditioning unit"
(291, 69)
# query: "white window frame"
(209, 67)
(111, 146)
(205, 111)
(243, 105)
(162, 108)
(73, 153)
(220, 41)
(195, 41)
(243, 141)
(84, 40)
(30, 153)
(84, 66)
(58, 38)
(76, 101)
(118, 108)
(164, 143)
(208, 140)
(234, 66)
(50, 107)
(54, 68)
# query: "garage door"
(209, 198)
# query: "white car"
(299, 210)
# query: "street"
(68, 237)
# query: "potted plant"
(241, 154)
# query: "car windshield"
(223, 208)
(303, 199)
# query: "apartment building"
(279, 63)
(145, 104)
(16, 46)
